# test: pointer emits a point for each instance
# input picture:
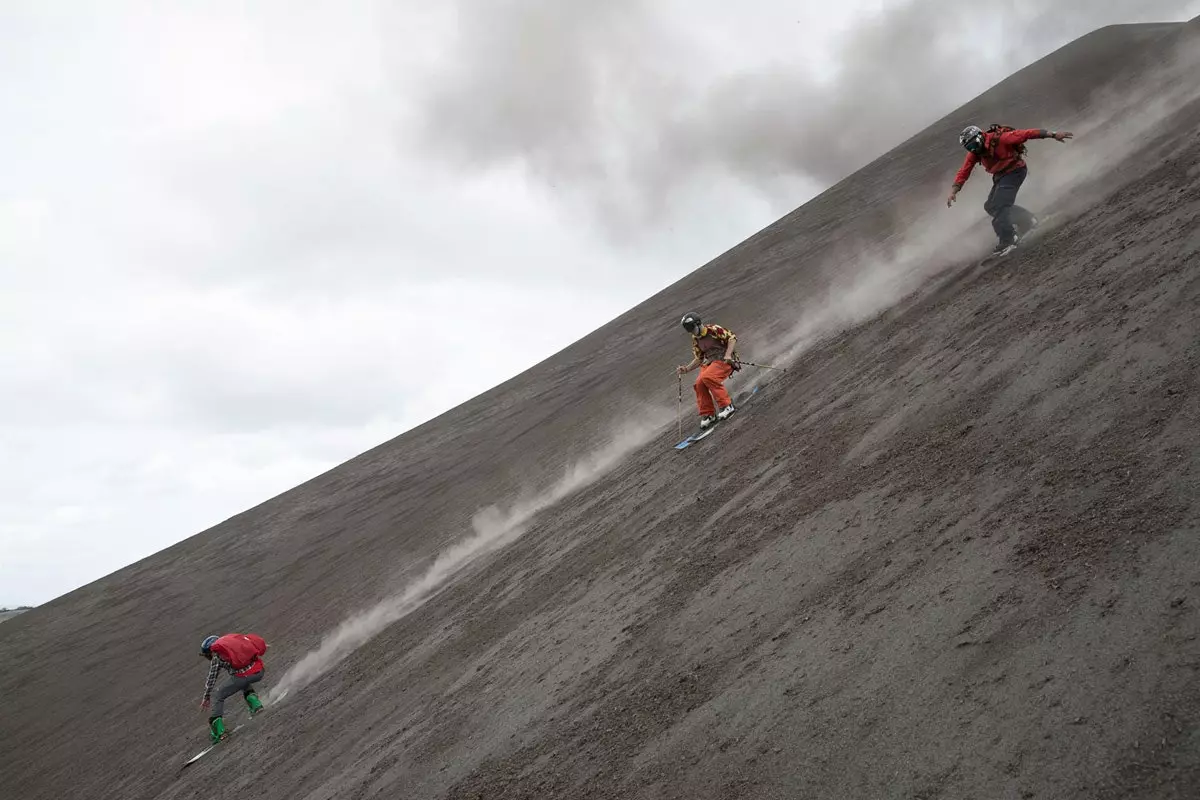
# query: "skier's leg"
(713, 376)
(248, 682)
(989, 207)
(249, 693)
(1023, 218)
(1004, 197)
(704, 403)
(224, 693)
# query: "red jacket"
(241, 652)
(1000, 153)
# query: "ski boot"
(706, 421)
(1004, 248)
(725, 412)
(216, 730)
(255, 705)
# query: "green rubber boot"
(216, 729)
(254, 703)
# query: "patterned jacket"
(710, 343)
(214, 669)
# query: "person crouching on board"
(240, 655)
(1001, 150)
(713, 350)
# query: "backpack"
(997, 129)
(240, 650)
(260, 644)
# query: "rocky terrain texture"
(953, 551)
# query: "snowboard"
(706, 432)
(1024, 240)
(229, 734)
(205, 751)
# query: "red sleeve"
(965, 172)
(1015, 138)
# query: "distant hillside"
(8, 613)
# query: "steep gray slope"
(855, 591)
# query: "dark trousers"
(234, 686)
(1002, 208)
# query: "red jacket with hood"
(1001, 153)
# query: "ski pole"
(764, 366)
(679, 408)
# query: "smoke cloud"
(623, 105)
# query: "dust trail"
(493, 527)
(1121, 122)
(877, 276)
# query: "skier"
(1001, 149)
(239, 655)
(713, 349)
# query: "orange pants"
(711, 381)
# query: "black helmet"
(972, 138)
(206, 645)
(691, 322)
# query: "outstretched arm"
(1020, 137)
(964, 173)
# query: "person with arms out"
(713, 350)
(241, 656)
(1001, 151)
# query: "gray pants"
(234, 686)
(1002, 208)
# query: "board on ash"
(705, 432)
(241, 725)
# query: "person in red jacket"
(1001, 150)
(713, 347)
(239, 654)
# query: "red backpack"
(240, 650)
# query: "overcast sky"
(241, 243)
